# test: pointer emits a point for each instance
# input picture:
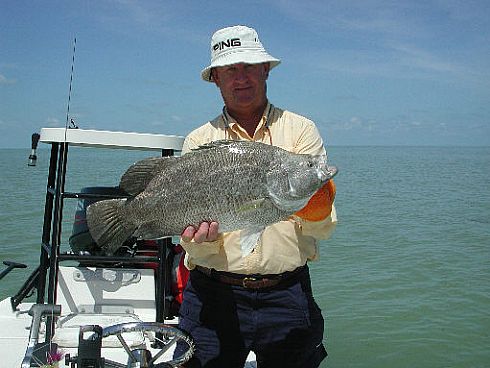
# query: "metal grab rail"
(10, 266)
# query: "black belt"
(251, 281)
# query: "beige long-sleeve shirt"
(284, 245)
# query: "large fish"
(241, 185)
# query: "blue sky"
(367, 72)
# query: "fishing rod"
(68, 121)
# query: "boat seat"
(103, 296)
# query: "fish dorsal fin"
(215, 144)
(136, 178)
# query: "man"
(262, 301)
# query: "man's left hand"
(207, 232)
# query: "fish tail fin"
(107, 224)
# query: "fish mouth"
(326, 173)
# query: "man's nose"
(241, 74)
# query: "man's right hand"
(207, 232)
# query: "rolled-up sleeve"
(320, 230)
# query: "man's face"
(242, 85)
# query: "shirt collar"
(230, 122)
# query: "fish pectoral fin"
(252, 205)
(249, 239)
(138, 176)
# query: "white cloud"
(392, 19)
(415, 57)
(156, 17)
(5, 80)
(354, 123)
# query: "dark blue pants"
(282, 325)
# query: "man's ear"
(267, 68)
(215, 77)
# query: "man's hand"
(207, 232)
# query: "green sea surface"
(403, 282)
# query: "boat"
(86, 310)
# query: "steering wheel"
(170, 337)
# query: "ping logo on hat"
(228, 43)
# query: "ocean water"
(403, 282)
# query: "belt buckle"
(247, 280)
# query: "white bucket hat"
(237, 44)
